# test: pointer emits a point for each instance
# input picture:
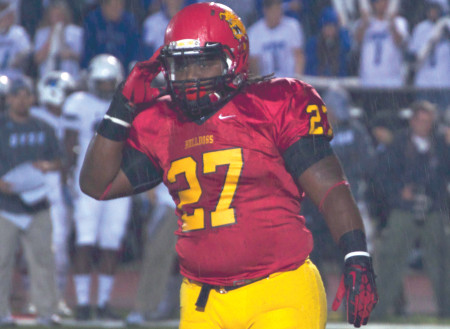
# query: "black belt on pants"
(206, 289)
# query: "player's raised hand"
(137, 87)
(358, 288)
(131, 96)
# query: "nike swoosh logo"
(222, 117)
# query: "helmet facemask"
(199, 94)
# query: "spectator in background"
(30, 13)
(430, 48)
(112, 30)
(80, 8)
(381, 40)
(306, 11)
(382, 127)
(15, 44)
(291, 8)
(58, 43)
(247, 9)
(277, 43)
(28, 149)
(155, 25)
(414, 10)
(327, 54)
(140, 9)
(418, 166)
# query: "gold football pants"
(284, 300)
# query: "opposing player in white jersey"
(381, 39)
(53, 89)
(434, 69)
(97, 224)
(277, 43)
(15, 44)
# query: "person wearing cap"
(327, 54)
(28, 148)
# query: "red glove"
(358, 287)
(130, 97)
(137, 88)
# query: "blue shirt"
(120, 39)
(312, 58)
(24, 142)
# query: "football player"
(97, 224)
(237, 154)
(53, 88)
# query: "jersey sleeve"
(140, 170)
(138, 164)
(303, 114)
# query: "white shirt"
(275, 47)
(154, 28)
(435, 69)
(12, 43)
(72, 38)
(87, 110)
(381, 63)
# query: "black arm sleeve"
(305, 152)
(140, 170)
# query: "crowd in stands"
(397, 159)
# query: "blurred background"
(383, 70)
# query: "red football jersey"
(237, 204)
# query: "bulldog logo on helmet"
(236, 25)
